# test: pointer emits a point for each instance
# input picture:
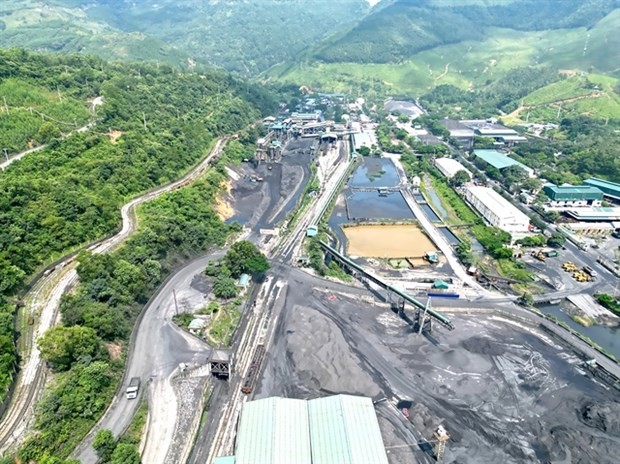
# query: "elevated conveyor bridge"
(405, 297)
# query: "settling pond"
(387, 241)
(369, 205)
(375, 173)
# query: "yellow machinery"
(570, 267)
(540, 256)
(581, 276)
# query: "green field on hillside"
(34, 115)
(468, 64)
(587, 94)
(474, 65)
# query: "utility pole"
(144, 120)
(176, 305)
(423, 318)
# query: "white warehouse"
(449, 167)
(498, 211)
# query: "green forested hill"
(410, 47)
(405, 27)
(162, 121)
(244, 36)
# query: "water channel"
(607, 337)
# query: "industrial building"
(491, 129)
(600, 214)
(500, 161)
(341, 429)
(362, 139)
(609, 189)
(449, 167)
(570, 196)
(592, 228)
(496, 210)
(459, 132)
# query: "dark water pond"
(375, 173)
(369, 205)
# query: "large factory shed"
(500, 161)
(610, 189)
(341, 429)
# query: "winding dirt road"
(42, 303)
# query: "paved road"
(158, 362)
(43, 300)
(156, 353)
(435, 235)
(6, 163)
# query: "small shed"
(244, 280)
(220, 363)
(197, 324)
(311, 231)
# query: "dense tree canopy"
(70, 193)
(63, 346)
(244, 257)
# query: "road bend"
(43, 301)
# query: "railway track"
(255, 342)
(31, 379)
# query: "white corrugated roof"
(450, 166)
(496, 203)
(340, 429)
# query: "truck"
(132, 389)
(551, 253)
(590, 271)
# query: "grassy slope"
(53, 27)
(571, 96)
(29, 107)
(470, 64)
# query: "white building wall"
(449, 167)
(497, 211)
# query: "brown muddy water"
(387, 241)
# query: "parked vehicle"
(132, 389)
(590, 271)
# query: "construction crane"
(440, 437)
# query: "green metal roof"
(340, 429)
(498, 160)
(224, 460)
(244, 279)
(572, 192)
(610, 189)
(344, 430)
(274, 431)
